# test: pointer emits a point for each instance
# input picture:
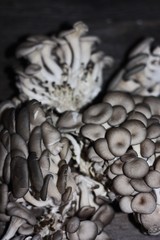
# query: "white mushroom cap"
(136, 168)
(118, 140)
(125, 204)
(98, 113)
(137, 130)
(143, 203)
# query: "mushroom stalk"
(15, 223)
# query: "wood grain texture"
(119, 24)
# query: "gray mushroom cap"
(97, 114)
(153, 179)
(118, 140)
(150, 221)
(69, 121)
(73, 224)
(122, 186)
(93, 131)
(143, 203)
(119, 115)
(137, 130)
(136, 168)
(102, 149)
(83, 232)
(120, 98)
(19, 177)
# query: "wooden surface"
(119, 24)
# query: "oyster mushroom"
(64, 67)
(150, 222)
(143, 203)
(19, 176)
(15, 223)
(118, 140)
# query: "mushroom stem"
(84, 199)
(15, 223)
(51, 64)
(76, 146)
(72, 37)
(30, 199)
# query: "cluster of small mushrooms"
(61, 164)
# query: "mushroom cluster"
(122, 139)
(40, 195)
(140, 75)
(61, 164)
(64, 72)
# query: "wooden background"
(119, 24)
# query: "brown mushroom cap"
(147, 148)
(118, 140)
(143, 203)
(122, 186)
(102, 149)
(136, 168)
(120, 98)
(93, 131)
(153, 179)
(97, 114)
(119, 115)
(137, 130)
